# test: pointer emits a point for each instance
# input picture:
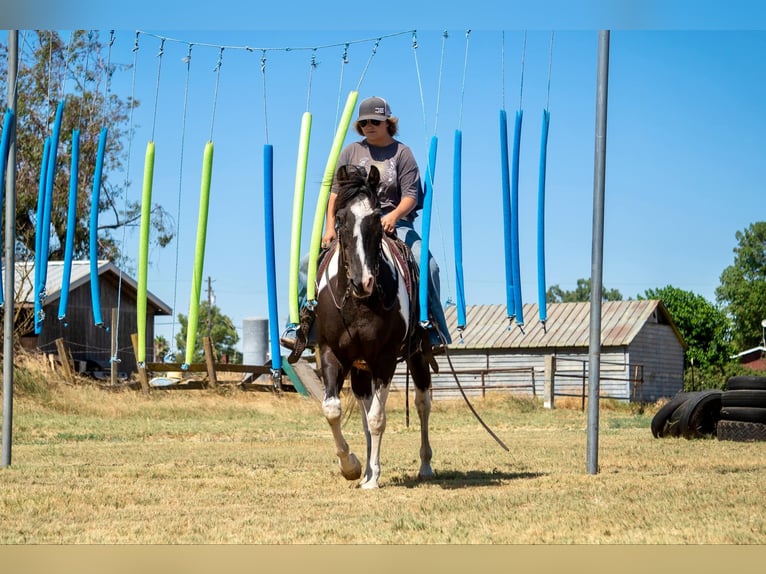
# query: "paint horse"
(366, 321)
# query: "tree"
(75, 71)
(217, 326)
(705, 328)
(743, 286)
(556, 294)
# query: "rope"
(344, 61)
(369, 61)
(265, 114)
(462, 85)
(187, 61)
(157, 85)
(502, 71)
(127, 179)
(217, 70)
(420, 83)
(550, 67)
(312, 67)
(445, 35)
(282, 49)
(523, 56)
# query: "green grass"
(196, 467)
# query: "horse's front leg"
(333, 375)
(361, 384)
(376, 424)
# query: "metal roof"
(567, 325)
(80, 275)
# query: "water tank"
(255, 341)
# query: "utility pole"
(210, 300)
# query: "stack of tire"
(743, 409)
(689, 415)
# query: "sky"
(684, 165)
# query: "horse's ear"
(373, 179)
(342, 173)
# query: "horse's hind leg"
(422, 378)
(333, 376)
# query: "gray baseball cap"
(374, 108)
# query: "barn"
(85, 340)
(642, 352)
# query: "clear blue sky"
(685, 167)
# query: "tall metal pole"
(597, 253)
(10, 260)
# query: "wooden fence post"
(113, 359)
(142, 376)
(65, 360)
(549, 383)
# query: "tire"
(700, 415)
(662, 417)
(741, 431)
(746, 382)
(744, 398)
(744, 414)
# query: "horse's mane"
(352, 181)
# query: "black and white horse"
(366, 321)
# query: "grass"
(197, 467)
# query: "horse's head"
(357, 217)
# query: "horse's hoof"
(425, 473)
(369, 484)
(353, 468)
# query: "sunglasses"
(363, 123)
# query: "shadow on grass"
(469, 479)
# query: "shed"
(642, 352)
(754, 358)
(85, 340)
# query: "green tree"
(218, 327)
(76, 70)
(556, 294)
(705, 328)
(743, 286)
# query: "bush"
(713, 377)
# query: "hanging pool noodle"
(324, 194)
(95, 293)
(515, 219)
(50, 176)
(39, 234)
(506, 191)
(457, 227)
(271, 273)
(298, 195)
(71, 224)
(426, 231)
(5, 144)
(199, 253)
(143, 251)
(541, 220)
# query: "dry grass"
(91, 466)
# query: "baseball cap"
(374, 108)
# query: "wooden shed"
(85, 340)
(642, 352)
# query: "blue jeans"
(405, 232)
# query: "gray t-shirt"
(399, 174)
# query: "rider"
(400, 193)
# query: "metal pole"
(594, 351)
(10, 260)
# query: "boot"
(302, 334)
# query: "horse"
(366, 320)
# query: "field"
(92, 466)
